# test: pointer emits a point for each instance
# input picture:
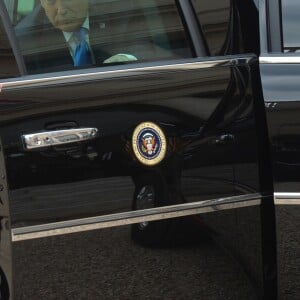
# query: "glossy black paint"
(112, 266)
(196, 107)
(281, 93)
(195, 118)
(214, 120)
(5, 233)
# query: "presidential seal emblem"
(149, 143)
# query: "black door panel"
(112, 266)
(34, 175)
(164, 200)
(281, 90)
(100, 181)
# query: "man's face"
(66, 15)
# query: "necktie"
(82, 54)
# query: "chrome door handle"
(58, 137)
(224, 139)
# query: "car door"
(245, 225)
(280, 80)
(102, 166)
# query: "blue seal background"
(140, 143)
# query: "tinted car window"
(95, 33)
(8, 64)
(214, 17)
(229, 27)
(290, 25)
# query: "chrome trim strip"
(287, 195)
(287, 198)
(279, 59)
(120, 219)
(90, 75)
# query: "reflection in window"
(290, 25)
(8, 64)
(97, 33)
(214, 17)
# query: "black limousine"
(149, 149)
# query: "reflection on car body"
(149, 149)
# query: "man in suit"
(66, 34)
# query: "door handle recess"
(58, 137)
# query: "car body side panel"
(115, 106)
(96, 181)
(281, 93)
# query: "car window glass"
(214, 18)
(8, 64)
(290, 25)
(56, 35)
